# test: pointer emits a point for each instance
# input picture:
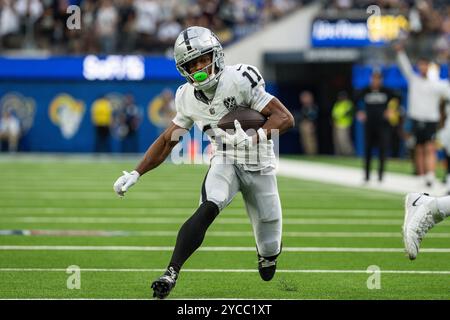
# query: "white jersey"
(239, 85)
(424, 95)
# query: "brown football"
(247, 117)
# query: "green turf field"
(332, 234)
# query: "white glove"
(239, 139)
(125, 182)
(262, 136)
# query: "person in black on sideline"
(374, 113)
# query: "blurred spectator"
(147, 19)
(168, 32)
(424, 95)
(377, 113)
(88, 21)
(275, 9)
(444, 138)
(129, 26)
(29, 9)
(102, 120)
(226, 13)
(10, 131)
(45, 28)
(60, 32)
(343, 4)
(129, 120)
(224, 33)
(396, 117)
(442, 44)
(306, 122)
(106, 26)
(9, 24)
(342, 115)
(29, 12)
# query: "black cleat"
(164, 284)
(266, 268)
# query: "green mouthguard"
(200, 76)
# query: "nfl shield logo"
(230, 103)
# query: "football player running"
(212, 90)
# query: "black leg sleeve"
(191, 234)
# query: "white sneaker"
(421, 214)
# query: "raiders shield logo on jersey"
(230, 103)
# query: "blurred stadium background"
(81, 91)
(120, 54)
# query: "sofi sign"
(376, 30)
(114, 68)
(91, 68)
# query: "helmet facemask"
(202, 79)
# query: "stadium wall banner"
(53, 98)
(376, 30)
(55, 116)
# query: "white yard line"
(83, 195)
(152, 211)
(49, 157)
(225, 234)
(213, 249)
(228, 270)
(220, 220)
(14, 209)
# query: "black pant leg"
(383, 145)
(368, 149)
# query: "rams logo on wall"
(22, 107)
(66, 113)
(161, 110)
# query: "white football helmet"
(192, 43)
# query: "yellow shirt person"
(102, 117)
(343, 113)
(102, 113)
